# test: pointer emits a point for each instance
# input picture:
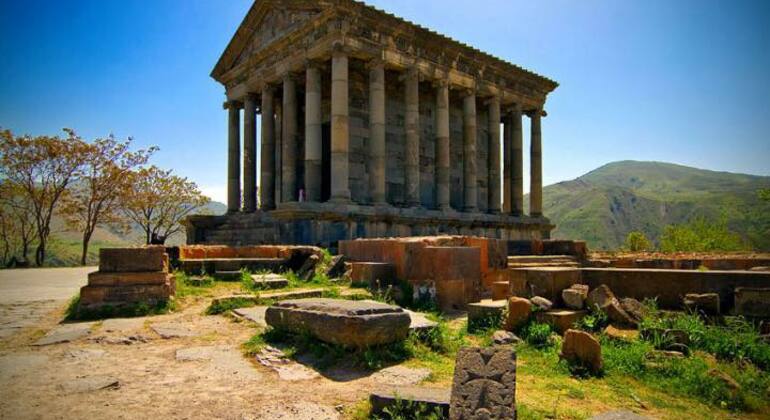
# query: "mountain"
(604, 205)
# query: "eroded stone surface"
(286, 368)
(484, 384)
(603, 299)
(255, 314)
(580, 347)
(519, 311)
(401, 375)
(707, 303)
(344, 322)
(575, 297)
(419, 321)
(171, 330)
(65, 333)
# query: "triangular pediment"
(266, 22)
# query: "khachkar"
(371, 126)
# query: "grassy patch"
(76, 313)
(186, 286)
(225, 305)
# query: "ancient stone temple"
(371, 126)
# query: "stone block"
(357, 324)
(150, 258)
(116, 295)
(575, 296)
(430, 398)
(753, 302)
(98, 278)
(549, 282)
(501, 290)
(486, 310)
(603, 299)
(705, 303)
(560, 319)
(373, 274)
(580, 347)
(484, 384)
(519, 311)
(269, 281)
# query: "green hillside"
(603, 205)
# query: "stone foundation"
(129, 276)
(324, 224)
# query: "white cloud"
(215, 192)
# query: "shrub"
(595, 321)
(538, 335)
(700, 235)
(637, 241)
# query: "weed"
(538, 335)
(410, 410)
(595, 321)
(225, 305)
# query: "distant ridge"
(605, 204)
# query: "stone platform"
(324, 224)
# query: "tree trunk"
(40, 253)
(84, 255)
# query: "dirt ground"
(125, 369)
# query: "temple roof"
(242, 35)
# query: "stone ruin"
(129, 276)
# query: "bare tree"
(95, 198)
(43, 167)
(158, 200)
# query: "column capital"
(339, 48)
(536, 112)
(410, 72)
(375, 62)
(489, 100)
(289, 76)
(466, 91)
(232, 104)
(512, 108)
(251, 96)
(440, 83)
(311, 63)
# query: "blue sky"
(678, 81)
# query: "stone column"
(250, 153)
(517, 163)
(340, 190)
(536, 167)
(289, 144)
(313, 145)
(507, 162)
(267, 181)
(377, 132)
(412, 147)
(469, 152)
(278, 152)
(233, 157)
(442, 145)
(494, 156)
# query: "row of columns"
(511, 196)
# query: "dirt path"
(124, 368)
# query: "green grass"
(185, 287)
(226, 305)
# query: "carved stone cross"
(484, 385)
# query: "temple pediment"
(266, 22)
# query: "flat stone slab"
(419, 321)
(344, 322)
(429, 397)
(255, 314)
(170, 330)
(90, 384)
(560, 319)
(401, 375)
(65, 333)
(292, 294)
(270, 281)
(286, 368)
